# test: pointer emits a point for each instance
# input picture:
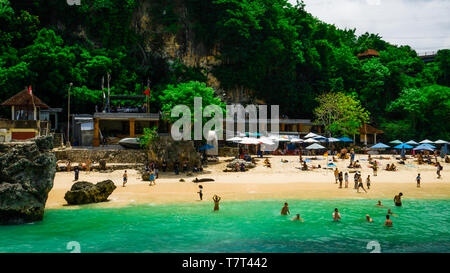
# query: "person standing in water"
(125, 178)
(418, 180)
(296, 218)
(388, 222)
(336, 215)
(216, 200)
(398, 200)
(285, 210)
(200, 192)
(370, 220)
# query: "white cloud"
(422, 24)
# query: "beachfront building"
(28, 117)
(369, 53)
(368, 134)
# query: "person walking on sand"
(438, 170)
(336, 175)
(285, 210)
(356, 178)
(297, 218)
(375, 168)
(418, 180)
(216, 200)
(341, 178)
(152, 178)
(125, 178)
(336, 215)
(360, 184)
(77, 172)
(200, 192)
(368, 182)
(388, 222)
(398, 200)
(346, 179)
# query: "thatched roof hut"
(26, 100)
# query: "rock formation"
(27, 171)
(85, 192)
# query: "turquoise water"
(241, 226)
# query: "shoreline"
(281, 182)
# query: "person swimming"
(370, 220)
(379, 204)
(391, 213)
(285, 210)
(336, 215)
(388, 222)
(296, 218)
(216, 200)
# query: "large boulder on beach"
(248, 164)
(27, 171)
(86, 192)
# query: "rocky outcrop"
(26, 177)
(247, 164)
(85, 192)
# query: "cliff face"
(182, 45)
(26, 177)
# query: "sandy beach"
(282, 181)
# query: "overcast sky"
(422, 24)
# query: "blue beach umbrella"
(206, 147)
(379, 146)
(423, 147)
(403, 146)
(429, 145)
(345, 139)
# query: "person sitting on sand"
(304, 167)
(393, 168)
(398, 200)
(447, 159)
(285, 210)
(125, 178)
(356, 164)
(388, 167)
(267, 163)
(296, 218)
(334, 159)
(370, 220)
(242, 167)
(336, 215)
(388, 222)
(216, 200)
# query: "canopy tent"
(315, 146)
(423, 148)
(379, 146)
(311, 140)
(426, 141)
(249, 141)
(311, 135)
(440, 141)
(412, 142)
(345, 139)
(396, 141)
(403, 146)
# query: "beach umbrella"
(423, 148)
(206, 147)
(249, 141)
(311, 135)
(311, 140)
(297, 140)
(315, 146)
(266, 140)
(429, 145)
(283, 138)
(403, 146)
(426, 141)
(321, 138)
(412, 142)
(235, 139)
(440, 141)
(332, 139)
(396, 142)
(379, 146)
(345, 139)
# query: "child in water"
(296, 218)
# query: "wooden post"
(375, 138)
(132, 122)
(12, 112)
(96, 141)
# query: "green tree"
(340, 114)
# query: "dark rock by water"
(26, 177)
(85, 192)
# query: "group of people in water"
(337, 216)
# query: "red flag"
(147, 92)
(29, 90)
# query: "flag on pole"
(147, 92)
(29, 90)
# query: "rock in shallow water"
(26, 177)
(85, 192)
